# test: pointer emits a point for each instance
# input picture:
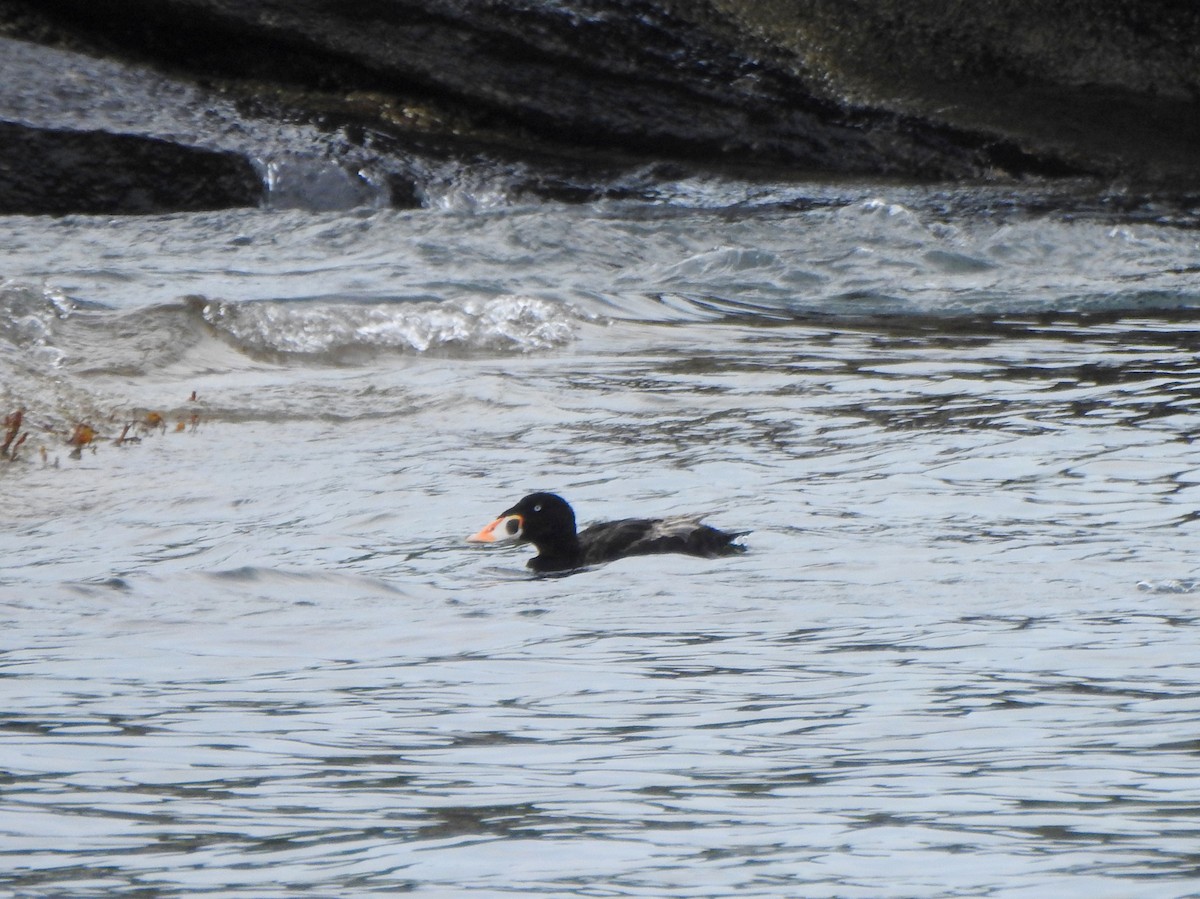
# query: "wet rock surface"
(567, 98)
(59, 172)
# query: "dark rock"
(1112, 86)
(579, 90)
(92, 172)
(638, 78)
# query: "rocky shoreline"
(164, 105)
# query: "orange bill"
(504, 529)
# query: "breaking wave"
(45, 329)
(71, 360)
(318, 328)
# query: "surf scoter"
(548, 522)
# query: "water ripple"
(256, 657)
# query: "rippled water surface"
(248, 652)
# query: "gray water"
(249, 653)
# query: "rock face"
(57, 172)
(572, 90)
(1112, 86)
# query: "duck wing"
(648, 536)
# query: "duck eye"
(512, 526)
(538, 507)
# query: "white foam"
(502, 323)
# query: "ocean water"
(247, 652)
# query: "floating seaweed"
(82, 435)
(12, 425)
(12, 453)
(193, 420)
(85, 435)
(125, 438)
